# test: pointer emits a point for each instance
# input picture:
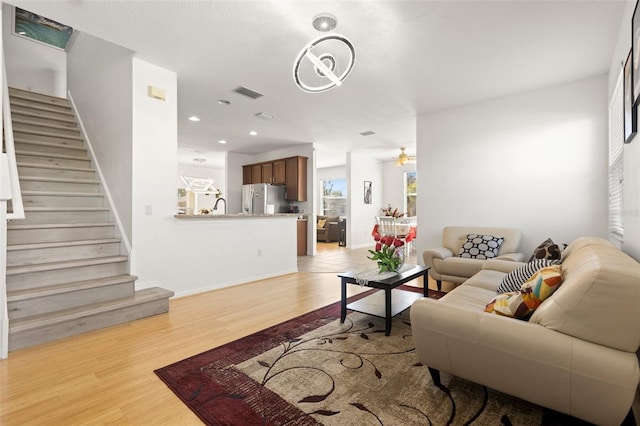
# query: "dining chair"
(386, 225)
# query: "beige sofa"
(330, 230)
(577, 352)
(445, 263)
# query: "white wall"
(190, 255)
(30, 65)
(631, 198)
(99, 75)
(536, 161)
(362, 167)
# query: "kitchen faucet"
(215, 206)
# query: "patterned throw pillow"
(546, 250)
(514, 279)
(321, 223)
(519, 304)
(480, 246)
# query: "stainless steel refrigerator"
(258, 198)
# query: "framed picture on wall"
(367, 192)
(635, 54)
(630, 109)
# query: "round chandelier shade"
(318, 65)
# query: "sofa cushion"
(546, 250)
(534, 291)
(513, 280)
(321, 223)
(458, 266)
(480, 246)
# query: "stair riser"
(60, 276)
(60, 162)
(63, 114)
(39, 120)
(65, 217)
(27, 129)
(45, 185)
(27, 138)
(50, 138)
(55, 173)
(29, 236)
(70, 299)
(55, 149)
(58, 331)
(37, 98)
(62, 201)
(59, 254)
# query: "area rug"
(314, 370)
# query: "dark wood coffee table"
(380, 303)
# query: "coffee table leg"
(343, 300)
(425, 284)
(387, 312)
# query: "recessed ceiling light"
(368, 133)
(253, 133)
(223, 102)
(222, 141)
(324, 22)
(193, 118)
(200, 160)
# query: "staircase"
(66, 271)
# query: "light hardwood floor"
(106, 376)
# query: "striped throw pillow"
(514, 279)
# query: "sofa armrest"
(514, 257)
(435, 253)
(526, 360)
(501, 265)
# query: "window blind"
(616, 161)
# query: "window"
(411, 191)
(616, 162)
(334, 197)
(40, 29)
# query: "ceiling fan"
(404, 158)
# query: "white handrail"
(10, 150)
(5, 194)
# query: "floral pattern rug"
(314, 370)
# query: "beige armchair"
(447, 265)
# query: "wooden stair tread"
(58, 180)
(72, 243)
(54, 167)
(36, 321)
(49, 144)
(18, 226)
(54, 135)
(66, 209)
(16, 91)
(20, 120)
(69, 119)
(14, 296)
(64, 194)
(66, 264)
(51, 155)
(40, 106)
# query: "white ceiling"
(413, 57)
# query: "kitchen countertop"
(239, 216)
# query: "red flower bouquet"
(388, 253)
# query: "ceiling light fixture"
(253, 133)
(223, 102)
(323, 64)
(194, 118)
(199, 184)
(222, 141)
(324, 22)
(263, 115)
(404, 158)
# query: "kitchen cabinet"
(302, 237)
(279, 172)
(246, 175)
(256, 173)
(267, 172)
(296, 178)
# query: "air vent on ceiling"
(368, 133)
(263, 115)
(247, 92)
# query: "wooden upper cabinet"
(267, 172)
(256, 173)
(246, 175)
(279, 172)
(296, 178)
